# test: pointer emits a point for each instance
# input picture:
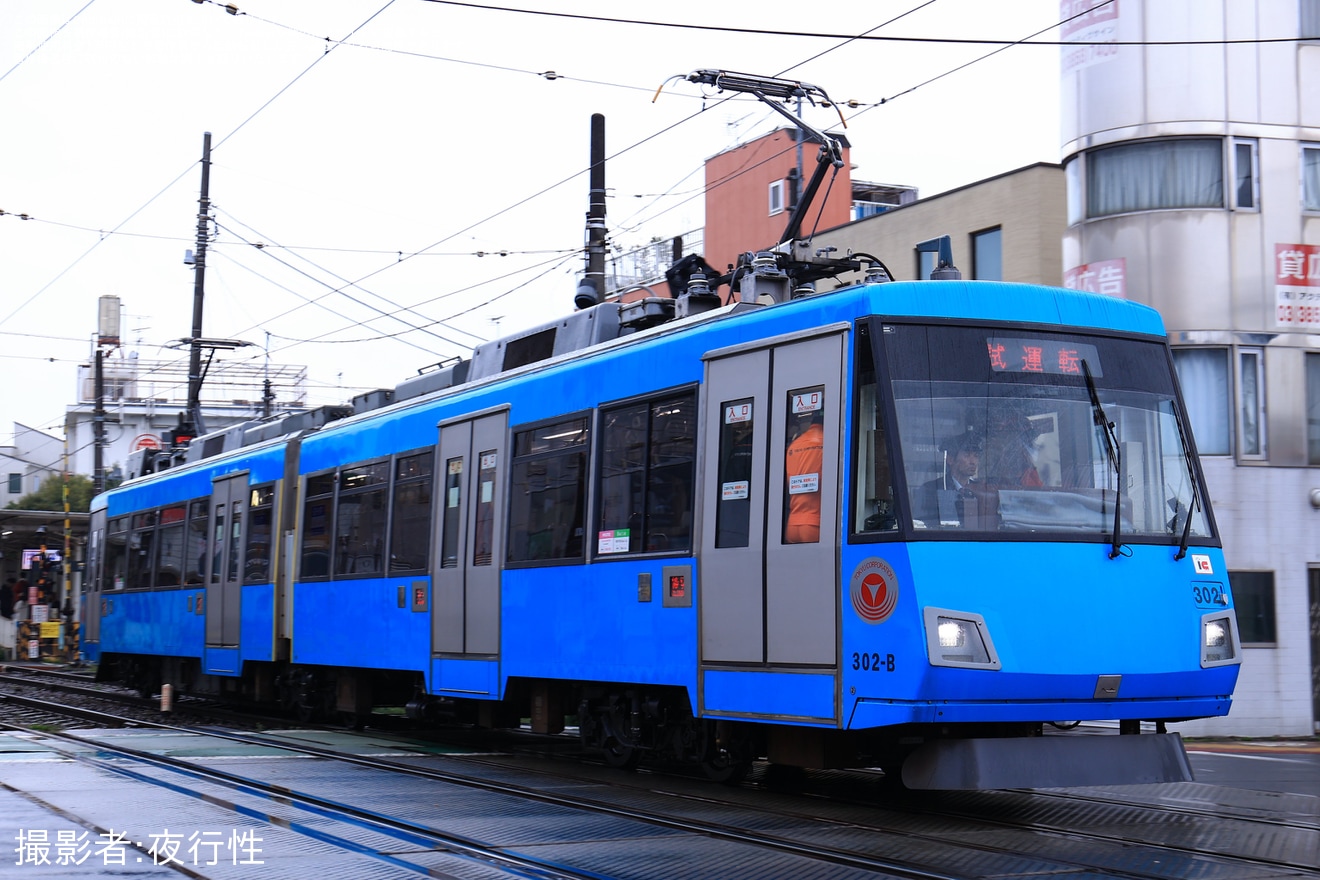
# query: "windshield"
(998, 432)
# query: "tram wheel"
(726, 769)
(621, 757)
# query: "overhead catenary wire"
(430, 250)
(557, 264)
(104, 233)
(867, 36)
(395, 315)
(183, 173)
(330, 46)
(50, 37)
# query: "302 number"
(1208, 595)
(872, 662)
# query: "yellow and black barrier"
(53, 641)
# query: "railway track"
(27, 687)
(839, 825)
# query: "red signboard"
(1297, 285)
(1106, 276)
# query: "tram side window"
(410, 521)
(141, 542)
(547, 506)
(451, 515)
(484, 522)
(360, 517)
(804, 450)
(261, 514)
(647, 455)
(94, 543)
(733, 515)
(194, 568)
(116, 555)
(235, 541)
(317, 518)
(170, 546)
(873, 508)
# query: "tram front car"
(1030, 549)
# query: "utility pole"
(193, 422)
(98, 428)
(107, 334)
(267, 396)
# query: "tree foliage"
(51, 495)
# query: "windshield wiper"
(1187, 526)
(1196, 496)
(1115, 456)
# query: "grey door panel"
(224, 567)
(465, 616)
(766, 595)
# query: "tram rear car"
(746, 534)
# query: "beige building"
(1005, 228)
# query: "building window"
(547, 495)
(1309, 21)
(1251, 403)
(1310, 177)
(1154, 175)
(1074, 190)
(1244, 175)
(15, 484)
(1313, 408)
(925, 264)
(1203, 374)
(988, 255)
(1253, 600)
(776, 197)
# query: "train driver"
(945, 500)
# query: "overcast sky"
(374, 148)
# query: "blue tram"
(913, 525)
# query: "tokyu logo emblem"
(874, 590)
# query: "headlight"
(959, 638)
(953, 633)
(1219, 639)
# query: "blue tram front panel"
(955, 632)
(1025, 533)
(1042, 548)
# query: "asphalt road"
(1259, 765)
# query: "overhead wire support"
(766, 87)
